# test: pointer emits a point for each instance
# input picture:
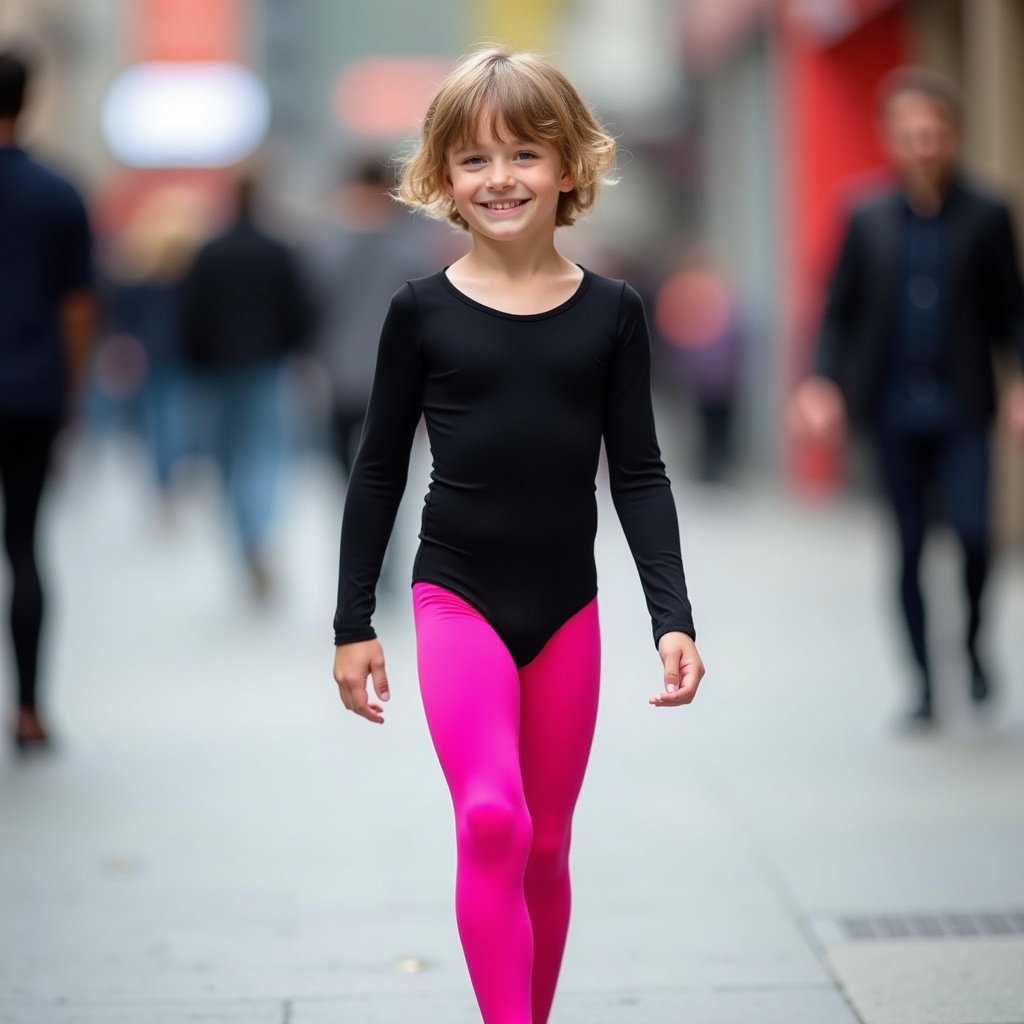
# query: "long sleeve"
(381, 468)
(843, 292)
(640, 488)
(1007, 282)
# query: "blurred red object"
(692, 308)
(186, 30)
(387, 96)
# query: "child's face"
(506, 188)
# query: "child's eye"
(473, 161)
(526, 154)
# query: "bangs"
(507, 103)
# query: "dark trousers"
(25, 447)
(715, 445)
(956, 464)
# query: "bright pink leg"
(558, 714)
(470, 692)
(513, 745)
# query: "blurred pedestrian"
(368, 250)
(243, 310)
(159, 244)
(47, 312)
(697, 315)
(926, 286)
(521, 363)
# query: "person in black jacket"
(242, 310)
(926, 287)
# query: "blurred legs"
(25, 446)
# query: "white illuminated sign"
(201, 114)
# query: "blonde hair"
(525, 95)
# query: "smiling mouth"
(506, 204)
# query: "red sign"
(186, 30)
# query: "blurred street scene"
(215, 838)
(209, 836)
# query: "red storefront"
(827, 58)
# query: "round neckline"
(554, 311)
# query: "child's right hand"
(352, 664)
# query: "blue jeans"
(246, 438)
(165, 419)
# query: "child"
(521, 364)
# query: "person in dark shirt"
(46, 326)
(242, 308)
(521, 363)
(927, 285)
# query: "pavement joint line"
(911, 926)
(787, 899)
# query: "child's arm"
(371, 503)
(643, 500)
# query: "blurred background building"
(784, 92)
(745, 126)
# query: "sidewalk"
(218, 841)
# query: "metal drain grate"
(886, 927)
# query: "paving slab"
(216, 829)
(800, 1006)
(718, 949)
(940, 982)
(137, 1013)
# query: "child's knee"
(549, 858)
(495, 830)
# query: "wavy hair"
(521, 94)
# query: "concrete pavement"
(218, 841)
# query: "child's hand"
(352, 664)
(683, 670)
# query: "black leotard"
(516, 407)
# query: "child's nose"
(500, 176)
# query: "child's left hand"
(683, 670)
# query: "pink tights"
(513, 745)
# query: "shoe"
(261, 583)
(980, 687)
(29, 733)
(920, 716)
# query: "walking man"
(926, 286)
